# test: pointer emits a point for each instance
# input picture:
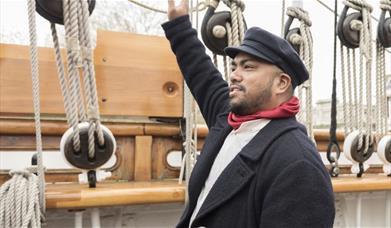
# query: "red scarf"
(287, 109)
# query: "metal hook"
(334, 171)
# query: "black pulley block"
(384, 30)
(80, 159)
(52, 10)
(388, 151)
(210, 21)
(348, 37)
(359, 154)
(288, 33)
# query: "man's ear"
(283, 84)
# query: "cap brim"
(233, 51)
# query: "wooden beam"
(143, 158)
(73, 196)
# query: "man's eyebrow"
(242, 62)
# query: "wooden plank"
(125, 150)
(28, 142)
(160, 148)
(142, 161)
(128, 67)
(363, 184)
(72, 196)
(27, 127)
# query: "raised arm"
(204, 80)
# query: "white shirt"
(233, 144)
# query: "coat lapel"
(231, 181)
(204, 163)
(240, 171)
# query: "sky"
(262, 13)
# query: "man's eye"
(247, 67)
(233, 69)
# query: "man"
(257, 167)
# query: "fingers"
(185, 4)
(171, 4)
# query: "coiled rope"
(304, 41)
(22, 198)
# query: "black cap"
(262, 44)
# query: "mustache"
(237, 86)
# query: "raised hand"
(177, 11)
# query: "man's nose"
(235, 76)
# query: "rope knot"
(358, 5)
(212, 3)
(385, 5)
(300, 14)
(86, 53)
(219, 31)
(296, 39)
(72, 44)
(93, 114)
(239, 3)
(356, 25)
(24, 172)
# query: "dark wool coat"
(278, 178)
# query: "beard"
(246, 105)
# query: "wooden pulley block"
(80, 159)
(384, 153)
(290, 32)
(53, 10)
(384, 29)
(348, 36)
(358, 155)
(215, 21)
(214, 31)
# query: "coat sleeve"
(204, 80)
(300, 196)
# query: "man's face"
(251, 84)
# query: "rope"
(79, 55)
(332, 11)
(357, 117)
(381, 97)
(35, 87)
(385, 5)
(20, 201)
(304, 40)
(333, 142)
(282, 17)
(190, 143)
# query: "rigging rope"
(381, 96)
(79, 55)
(356, 116)
(304, 41)
(22, 198)
(332, 11)
(333, 142)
